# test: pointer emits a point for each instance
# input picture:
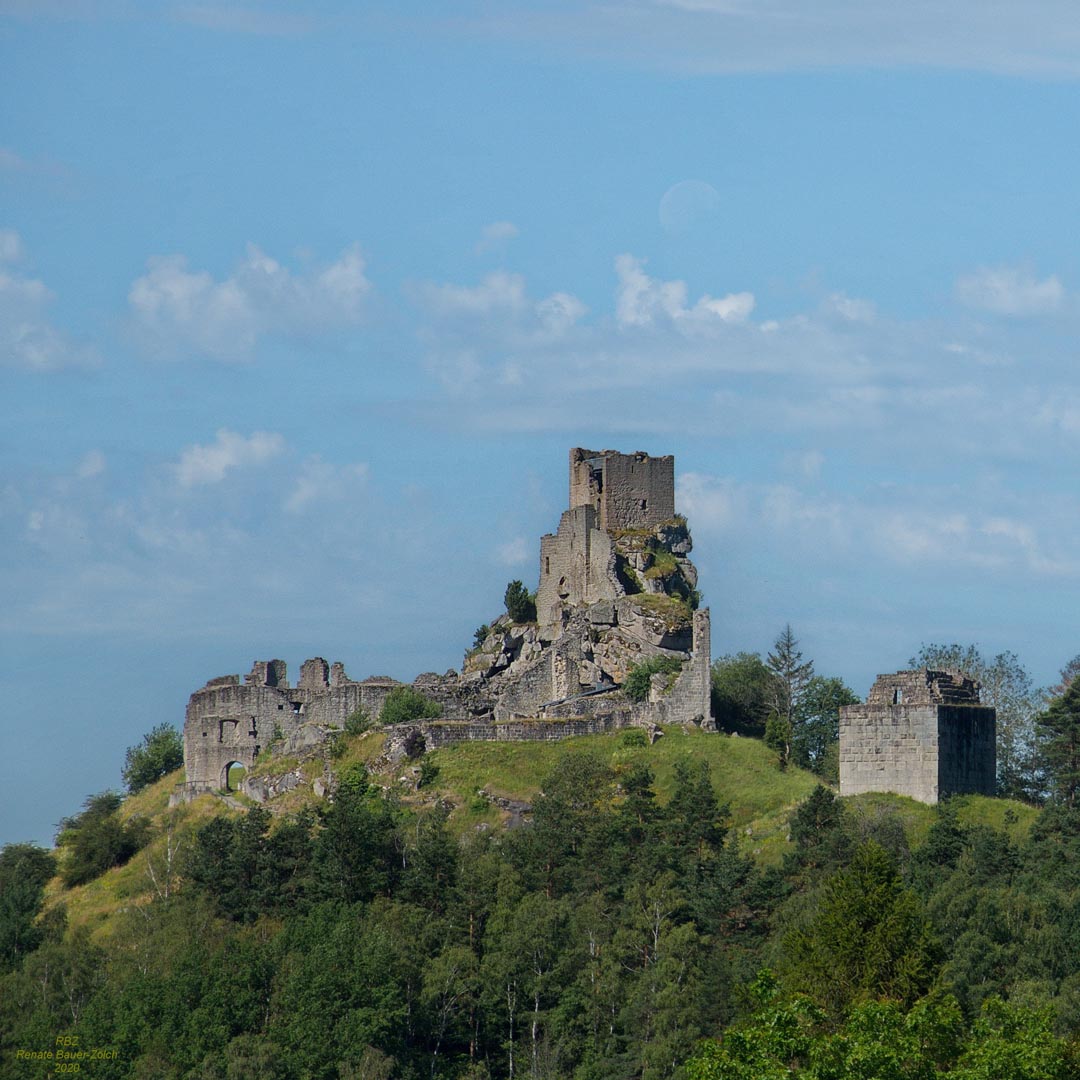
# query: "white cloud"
(711, 503)
(804, 463)
(1009, 290)
(514, 552)
(642, 301)
(499, 293)
(495, 236)
(892, 529)
(559, 312)
(28, 340)
(92, 464)
(463, 322)
(319, 482)
(1016, 37)
(208, 464)
(176, 309)
(11, 249)
(850, 308)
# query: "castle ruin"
(920, 733)
(616, 589)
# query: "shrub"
(520, 603)
(98, 840)
(429, 773)
(403, 704)
(161, 751)
(635, 737)
(638, 678)
(356, 723)
(663, 565)
(480, 635)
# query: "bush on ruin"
(404, 704)
(520, 603)
(639, 677)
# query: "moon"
(688, 205)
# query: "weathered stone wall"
(586, 478)
(440, 733)
(577, 567)
(227, 722)
(639, 491)
(689, 700)
(628, 491)
(967, 754)
(924, 686)
(889, 748)
(908, 739)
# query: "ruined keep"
(616, 588)
(920, 733)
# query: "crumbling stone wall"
(577, 566)
(628, 491)
(436, 734)
(228, 722)
(920, 733)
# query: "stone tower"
(920, 733)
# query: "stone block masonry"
(628, 491)
(919, 733)
(228, 723)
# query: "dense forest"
(616, 935)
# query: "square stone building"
(919, 733)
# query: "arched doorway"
(232, 775)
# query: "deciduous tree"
(1007, 687)
(1060, 725)
(160, 752)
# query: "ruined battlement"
(924, 687)
(627, 491)
(920, 733)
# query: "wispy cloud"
(495, 236)
(320, 483)
(176, 310)
(28, 339)
(1010, 290)
(515, 551)
(895, 528)
(209, 463)
(1037, 38)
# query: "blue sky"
(302, 306)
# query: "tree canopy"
(160, 752)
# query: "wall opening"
(232, 775)
(898, 696)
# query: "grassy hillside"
(744, 773)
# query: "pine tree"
(1060, 726)
(790, 678)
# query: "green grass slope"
(744, 773)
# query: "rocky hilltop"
(617, 597)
